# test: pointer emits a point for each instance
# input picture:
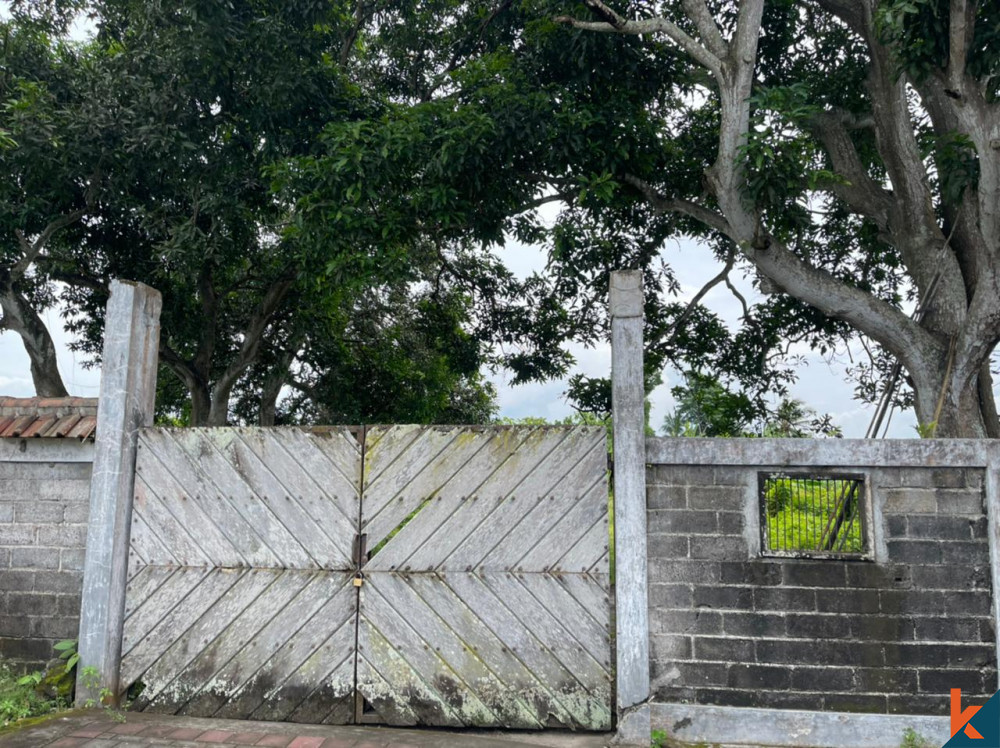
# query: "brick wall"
(43, 530)
(729, 627)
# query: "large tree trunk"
(20, 317)
(946, 349)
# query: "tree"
(705, 406)
(50, 162)
(188, 110)
(855, 159)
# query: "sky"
(821, 384)
(821, 380)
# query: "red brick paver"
(339, 743)
(127, 729)
(216, 736)
(90, 731)
(276, 741)
(247, 738)
(185, 733)
(303, 742)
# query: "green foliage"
(799, 515)
(918, 31)
(20, 697)
(706, 407)
(913, 739)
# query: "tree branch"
(662, 204)
(31, 249)
(675, 328)
(703, 19)
(860, 191)
(617, 24)
(253, 335)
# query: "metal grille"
(813, 516)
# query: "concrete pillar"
(127, 396)
(993, 527)
(628, 412)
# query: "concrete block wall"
(43, 532)
(893, 635)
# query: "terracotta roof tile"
(84, 429)
(39, 426)
(49, 417)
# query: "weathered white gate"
(424, 575)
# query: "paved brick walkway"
(98, 729)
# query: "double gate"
(443, 576)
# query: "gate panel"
(484, 600)
(240, 602)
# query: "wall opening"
(814, 515)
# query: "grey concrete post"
(628, 412)
(127, 395)
(993, 531)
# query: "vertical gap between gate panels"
(359, 701)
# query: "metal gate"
(445, 576)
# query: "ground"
(100, 729)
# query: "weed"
(20, 698)
(913, 739)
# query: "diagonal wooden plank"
(588, 550)
(172, 515)
(323, 552)
(586, 700)
(148, 611)
(176, 622)
(382, 695)
(543, 548)
(437, 486)
(593, 637)
(413, 476)
(590, 594)
(200, 447)
(459, 663)
(167, 681)
(189, 478)
(145, 548)
(198, 675)
(393, 687)
(326, 607)
(187, 550)
(325, 519)
(462, 533)
(308, 670)
(244, 671)
(536, 530)
(336, 470)
(335, 695)
(542, 480)
(559, 634)
(143, 584)
(383, 446)
(511, 690)
(438, 533)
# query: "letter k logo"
(960, 718)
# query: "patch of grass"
(20, 699)
(799, 512)
(913, 739)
